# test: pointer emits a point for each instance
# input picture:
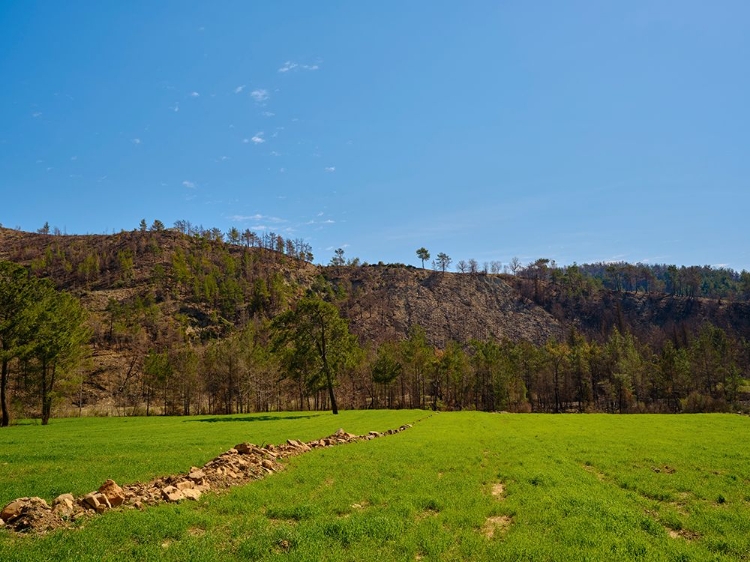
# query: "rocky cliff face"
(385, 302)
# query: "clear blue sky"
(575, 131)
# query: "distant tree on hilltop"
(423, 255)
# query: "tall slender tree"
(423, 254)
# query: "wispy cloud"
(189, 184)
(136, 141)
(268, 114)
(274, 153)
(36, 114)
(256, 217)
(194, 95)
(73, 158)
(330, 168)
(259, 95)
(289, 66)
(258, 138)
(175, 107)
(238, 89)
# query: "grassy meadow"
(457, 486)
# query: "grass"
(590, 487)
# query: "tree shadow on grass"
(254, 418)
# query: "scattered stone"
(241, 464)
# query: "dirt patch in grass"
(498, 490)
(592, 470)
(497, 525)
(683, 534)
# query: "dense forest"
(190, 320)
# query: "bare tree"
(514, 265)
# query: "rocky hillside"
(209, 283)
(385, 302)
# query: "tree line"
(306, 358)
(691, 281)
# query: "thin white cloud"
(268, 114)
(36, 114)
(274, 153)
(136, 141)
(73, 158)
(189, 184)
(194, 95)
(259, 95)
(287, 66)
(256, 217)
(246, 141)
(238, 89)
(175, 107)
(330, 168)
(258, 138)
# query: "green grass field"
(574, 487)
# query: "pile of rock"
(240, 464)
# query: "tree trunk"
(3, 396)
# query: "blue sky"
(575, 131)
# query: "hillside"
(201, 303)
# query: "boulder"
(64, 499)
(185, 485)
(91, 500)
(192, 494)
(114, 494)
(172, 494)
(63, 504)
(12, 511)
(244, 448)
(196, 474)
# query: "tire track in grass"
(673, 529)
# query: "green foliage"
(40, 327)
(314, 344)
